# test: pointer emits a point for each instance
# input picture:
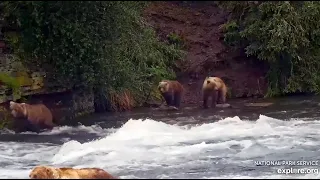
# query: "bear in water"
(214, 87)
(171, 92)
(47, 172)
(31, 117)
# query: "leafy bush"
(283, 33)
(177, 40)
(12, 83)
(5, 118)
(91, 44)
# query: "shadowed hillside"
(198, 26)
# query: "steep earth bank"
(198, 25)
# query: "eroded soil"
(198, 25)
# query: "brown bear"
(171, 91)
(31, 117)
(215, 88)
(48, 172)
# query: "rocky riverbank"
(197, 27)
(197, 24)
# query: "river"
(191, 143)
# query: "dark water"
(191, 143)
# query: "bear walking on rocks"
(31, 117)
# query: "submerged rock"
(225, 105)
(258, 104)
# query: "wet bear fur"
(215, 88)
(48, 172)
(29, 117)
(171, 91)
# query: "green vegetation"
(285, 34)
(5, 118)
(12, 83)
(105, 46)
(175, 39)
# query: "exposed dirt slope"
(197, 23)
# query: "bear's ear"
(47, 170)
(24, 109)
(11, 104)
(162, 83)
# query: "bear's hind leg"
(223, 95)
(214, 99)
(205, 100)
(177, 100)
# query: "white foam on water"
(94, 129)
(151, 149)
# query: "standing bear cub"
(171, 91)
(31, 117)
(215, 88)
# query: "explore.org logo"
(298, 171)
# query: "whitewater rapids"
(145, 148)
